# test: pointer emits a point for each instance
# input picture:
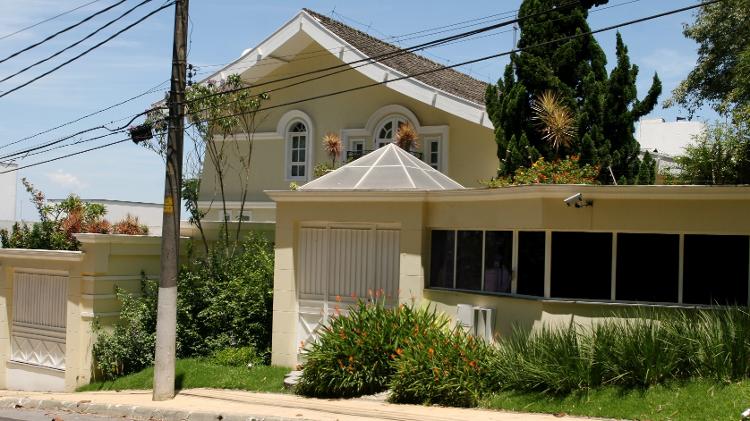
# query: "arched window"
(297, 141)
(386, 132)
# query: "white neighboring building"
(149, 214)
(8, 185)
(666, 140)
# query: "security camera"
(577, 201)
(574, 200)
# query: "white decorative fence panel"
(39, 315)
(335, 263)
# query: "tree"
(721, 77)
(217, 111)
(718, 156)
(605, 107)
(647, 170)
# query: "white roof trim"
(375, 71)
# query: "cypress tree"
(606, 106)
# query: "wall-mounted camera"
(577, 201)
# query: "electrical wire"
(106, 145)
(48, 19)
(62, 31)
(110, 38)
(67, 123)
(477, 60)
(101, 28)
(578, 35)
(397, 51)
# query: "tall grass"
(634, 350)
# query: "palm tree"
(407, 137)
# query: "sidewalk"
(233, 405)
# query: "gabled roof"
(388, 168)
(447, 90)
(448, 80)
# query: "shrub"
(352, 356)
(224, 300)
(129, 346)
(130, 225)
(444, 367)
(564, 171)
(637, 350)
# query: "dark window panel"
(530, 279)
(441, 258)
(581, 265)
(648, 267)
(715, 269)
(498, 261)
(469, 260)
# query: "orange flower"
(399, 351)
(472, 363)
(430, 351)
(351, 358)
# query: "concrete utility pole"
(166, 317)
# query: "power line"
(106, 145)
(89, 50)
(67, 145)
(62, 139)
(489, 57)
(101, 28)
(48, 19)
(397, 51)
(326, 51)
(485, 58)
(67, 123)
(62, 31)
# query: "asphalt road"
(42, 415)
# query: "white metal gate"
(39, 314)
(337, 265)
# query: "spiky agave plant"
(332, 146)
(407, 137)
(556, 121)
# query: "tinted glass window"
(469, 260)
(648, 267)
(441, 259)
(581, 265)
(530, 263)
(715, 269)
(498, 260)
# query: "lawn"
(697, 400)
(195, 372)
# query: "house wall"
(652, 209)
(105, 261)
(472, 150)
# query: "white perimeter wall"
(667, 137)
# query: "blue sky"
(220, 30)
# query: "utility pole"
(166, 316)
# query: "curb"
(132, 412)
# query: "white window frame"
(304, 164)
(429, 148)
(394, 119)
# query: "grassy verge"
(192, 373)
(697, 400)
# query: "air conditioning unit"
(478, 321)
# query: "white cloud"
(66, 180)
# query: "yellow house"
(494, 258)
(446, 108)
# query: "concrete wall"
(105, 261)
(647, 209)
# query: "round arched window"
(386, 132)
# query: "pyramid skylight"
(387, 168)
